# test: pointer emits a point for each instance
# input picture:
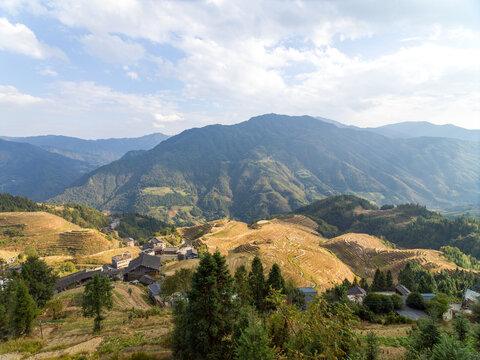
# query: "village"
(144, 269)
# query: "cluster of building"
(142, 269)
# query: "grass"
(21, 345)
(115, 344)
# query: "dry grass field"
(72, 334)
(51, 235)
(364, 254)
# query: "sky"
(124, 68)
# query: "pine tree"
(389, 281)
(39, 279)
(379, 281)
(364, 284)
(242, 287)
(205, 324)
(461, 325)
(275, 279)
(97, 296)
(24, 311)
(254, 343)
(372, 349)
(406, 277)
(258, 287)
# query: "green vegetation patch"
(21, 345)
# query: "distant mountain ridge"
(412, 129)
(95, 152)
(28, 170)
(274, 164)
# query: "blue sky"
(118, 68)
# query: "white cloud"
(132, 75)
(48, 72)
(112, 49)
(10, 96)
(19, 38)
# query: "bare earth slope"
(50, 235)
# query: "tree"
(24, 311)
(203, 326)
(178, 282)
(461, 325)
(406, 277)
(389, 281)
(68, 267)
(242, 287)
(30, 251)
(97, 296)
(39, 279)
(449, 348)
(364, 284)
(379, 281)
(256, 280)
(55, 307)
(275, 279)
(415, 300)
(254, 343)
(438, 306)
(372, 349)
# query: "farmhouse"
(356, 294)
(402, 290)
(142, 265)
(122, 260)
(154, 293)
(75, 279)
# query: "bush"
(380, 304)
(415, 301)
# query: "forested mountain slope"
(274, 164)
(30, 171)
(95, 152)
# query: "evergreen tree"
(372, 349)
(242, 287)
(24, 311)
(389, 281)
(450, 349)
(205, 323)
(275, 279)
(406, 277)
(97, 296)
(258, 287)
(39, 279)
(461, 325)
(364, 284)
(254, 343)
(379, 281)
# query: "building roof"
(148, 261)
(427, 296)
(356, 290)
(308, 290)
(146, 280)
(410, 313)
(402, 290)
(471, 296)
(76, 277)
(154, 289)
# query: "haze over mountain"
(95, 152)
(28, 170)
(412, 129)
(273, 164)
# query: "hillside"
(49, 234)
(304, 255)
(94, 152)
(273, 164)
(407, 225)
(30, 171)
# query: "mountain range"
(273, 164)
(94, 152)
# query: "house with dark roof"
(356, 294)
(76, 279)
(309, 293)
(142, 265)
(154, 293)
(146, 280)
(402, 290)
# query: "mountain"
(95, 152)
(410, 129)
(272, 164)
(406, 225)
(30, 171)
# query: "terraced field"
(51, 235)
